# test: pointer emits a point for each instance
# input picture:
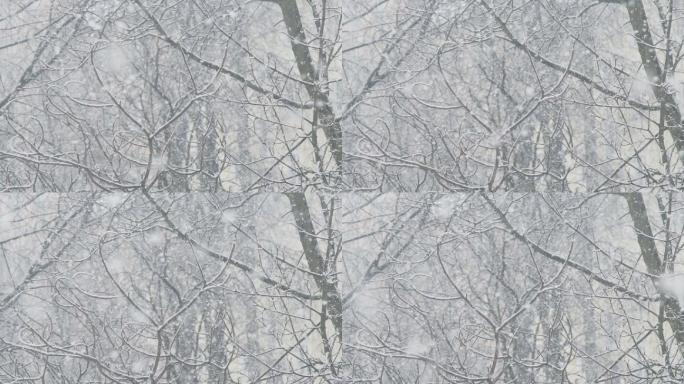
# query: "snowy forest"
(341, 191)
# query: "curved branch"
(219, 68)
(562, 260)
(226, 259)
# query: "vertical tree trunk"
(323, 268)
(649, 252)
